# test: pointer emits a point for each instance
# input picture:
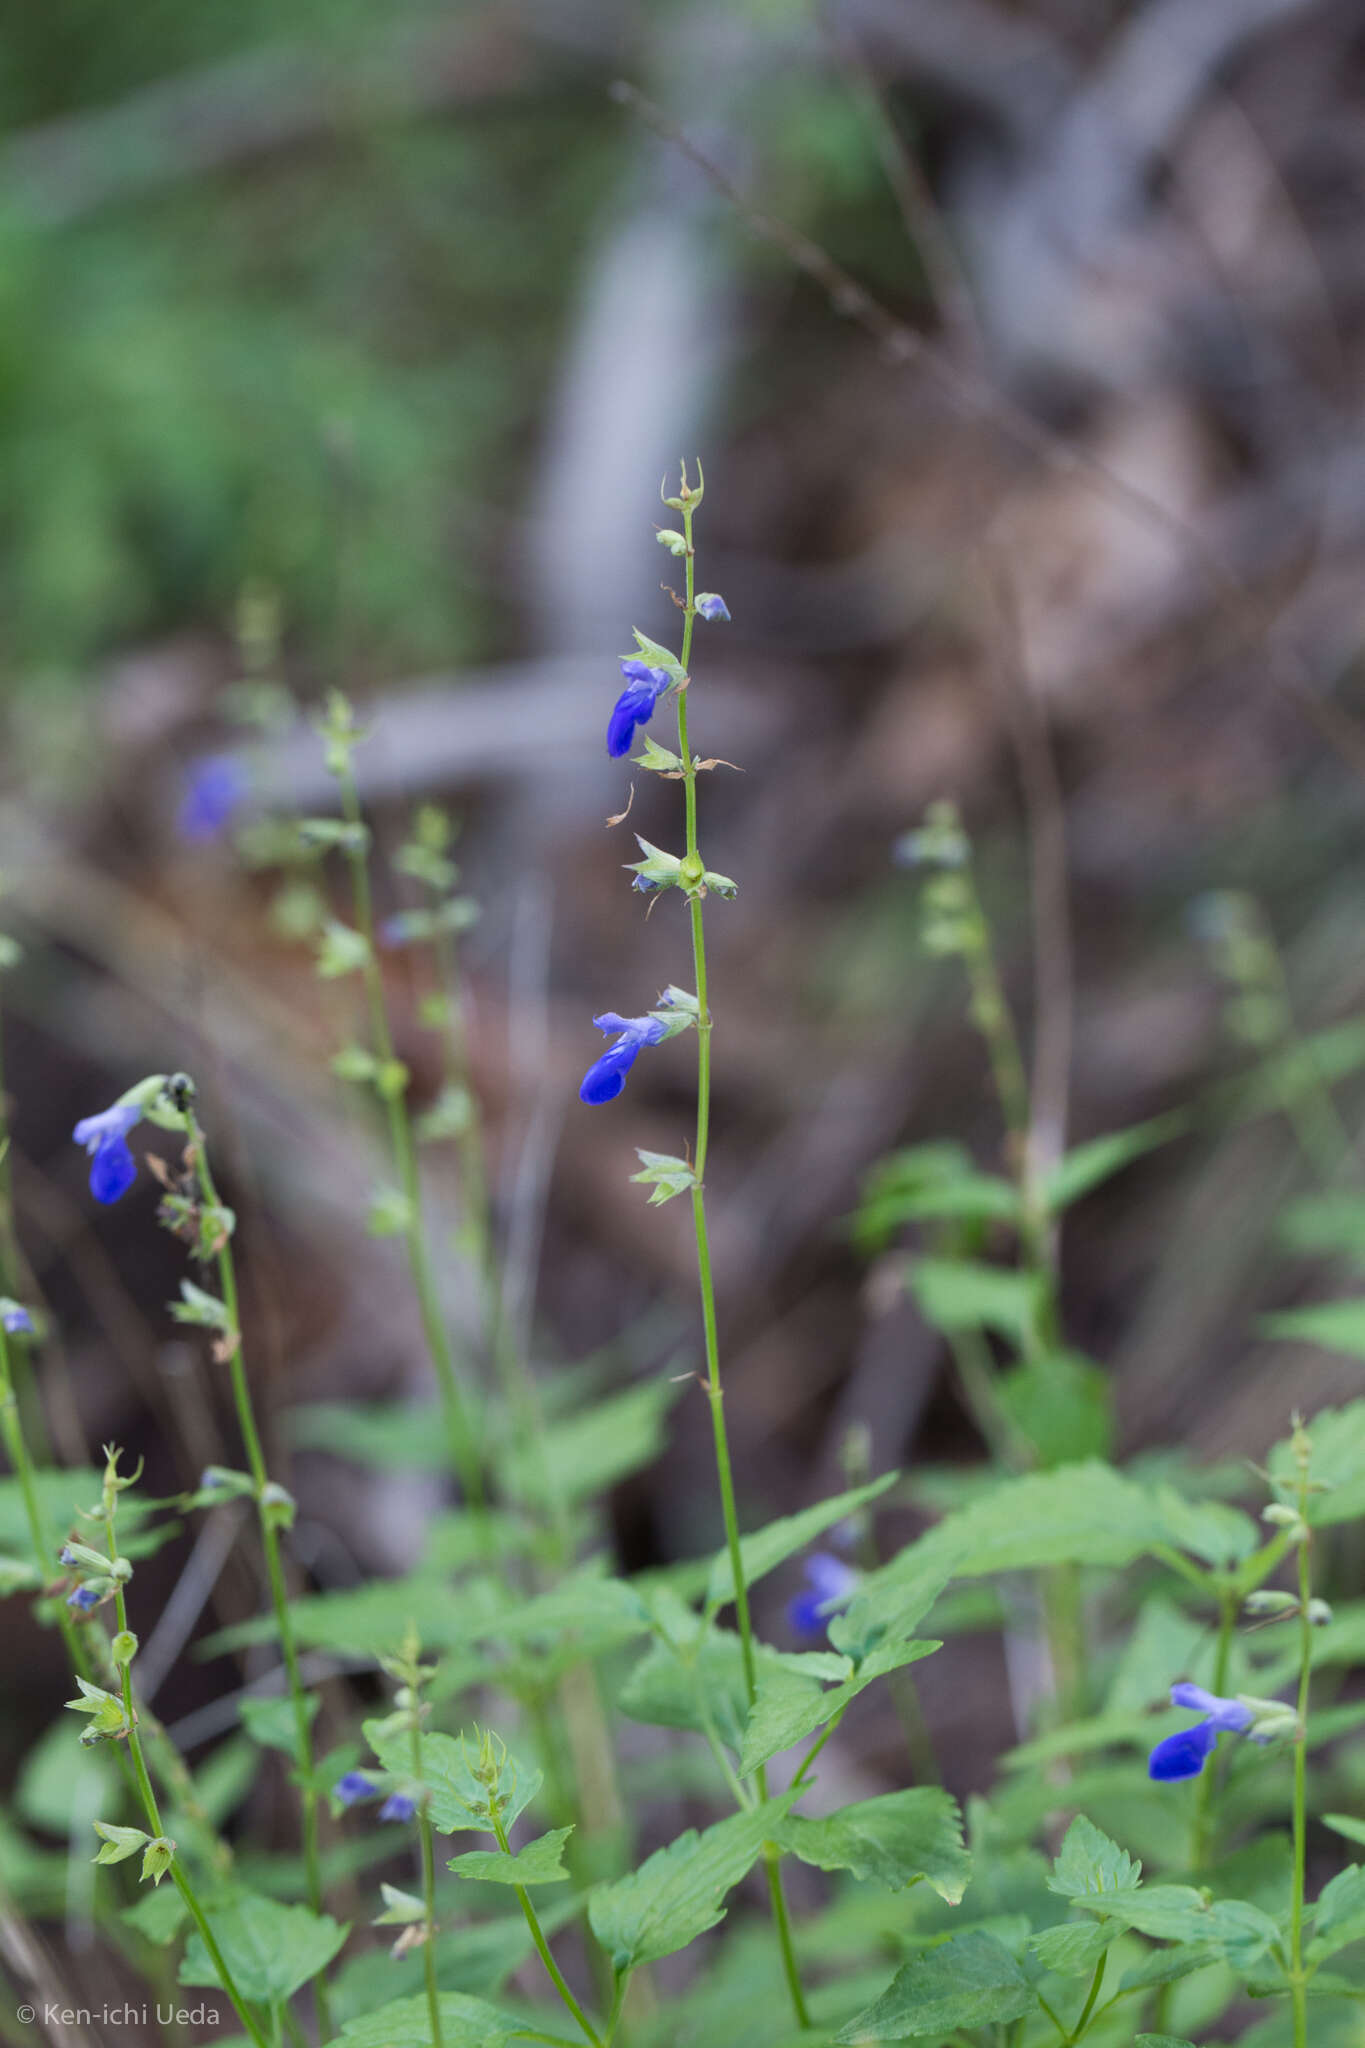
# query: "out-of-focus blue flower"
(830, 1585)
(635, 705)
(83, 1599)
(643, 884)
(397, 1807)
(713, 607)
(1220, 1713)
(353, 1786)
(16, 1319)
(606, 1077)
(1185, 1754)
(217, 788)
(105, 1138)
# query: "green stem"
(1297, 1976)
(720, 1437)
(270, 1544)
(428, 1890)
(153, 1811)
(1089, 2006)
(543, 1947)
(464, 1449)
(1204, 1800)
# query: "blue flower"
(1185, 1754)
(831, 1585)
(217, 788)
(15, 1319)
(635, 705)
(606, 1077)
(83, 1599)
(105, 1138)
(397, 1807)
(712, 607)
(353, 1786)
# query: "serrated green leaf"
(895, 1840)
(465, 2023)
(971, 1980)
(1339, 1915)
(783, 1713)
(1235, 1929)
(271, 1950)
(660, 759)
(1073, 1948)
(766, 1548)
(679, 1891)
(457, 1800)
(1088, 1862)
(540, 1862)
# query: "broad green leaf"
(1087, 1166)
(1339, 1915)
(271, 1950)
(971, 1980)
(679, 1891)
(767, 1547)
(1207, 1529)
(1074, 1948)
(61, 1787)
(1237, 1930)
(370, 1620)
(690, 1686)
(158, 1915)
(398, 1436)
(273, 1723)
(592, 1450)
(1335, 1325)
(782, 1716)
(1162, 2041)
(1165, 1640)
(457, 1799)
(894, 1840)
(1088, 1862)
(1082, 1514)
(465, 2023)
(889, 1603)
(538, 1863)
(964, 1294)
(1345, 1824)
(1061, 1404)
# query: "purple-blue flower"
(83, 1599)
(397, 1807)
(1185, 1754)
(830, 1585)
(635, 705)
(606, 1077)
(105, 1138)
(712, 607)
(16, 1319)
(218, 786)
(353, 1786)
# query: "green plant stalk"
(1204, 1799)
(464, 1448)
(153, 1812)
(428, 1890)
(720, 1437)
(1298, 1980)
(1083, 2022)
(270, 1543)
(543, 1947)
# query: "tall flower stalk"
(646, 678)
(390, 1079)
